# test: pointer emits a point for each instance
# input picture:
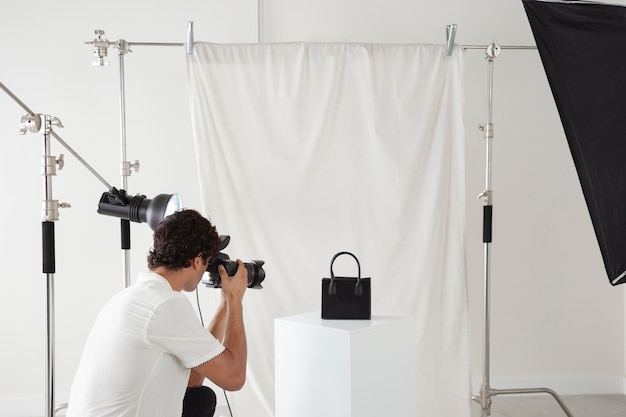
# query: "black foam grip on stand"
(125, 233)
(47, 239)
(487, 220)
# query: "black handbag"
(345, 297)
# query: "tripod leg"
(538, 391)
(484, 399)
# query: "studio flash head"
(256, 274)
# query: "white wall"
(556, 321)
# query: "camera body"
(256, 274)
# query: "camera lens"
(256, 274)
(254, 269)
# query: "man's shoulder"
(150, 289)
(151, 277)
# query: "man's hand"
(233, 288)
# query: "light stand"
(113, 203)
(100, 47)
(100, 52)
(486, 392)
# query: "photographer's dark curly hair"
(180, 237)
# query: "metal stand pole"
(486, 392)
(125, 166)
(49, 215)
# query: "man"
(147, 344)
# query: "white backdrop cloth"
(305, 150)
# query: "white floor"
(219, 412)
(609, 405)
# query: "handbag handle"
(332, 288)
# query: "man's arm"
(217, 327)
(228, 370)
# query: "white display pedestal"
(345, 368)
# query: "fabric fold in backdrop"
(305, 150)
(581, 46)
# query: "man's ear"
(199, 262)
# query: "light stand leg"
(486, 392)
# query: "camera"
(256, 274)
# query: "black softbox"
(583, 50)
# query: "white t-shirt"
(138, 355)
